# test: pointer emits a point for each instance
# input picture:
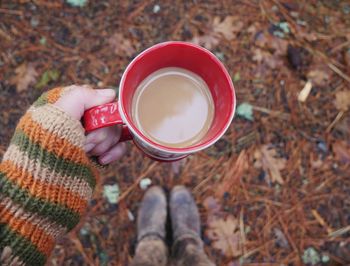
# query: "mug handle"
(105, 115)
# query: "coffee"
(173, 107)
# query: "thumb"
(81, 98)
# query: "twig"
(241, 226)
(336, 119)
(321, 221)
(339, 72)
(339, 232)
(11, 12)
(271, 112)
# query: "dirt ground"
(275, 189)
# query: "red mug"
(168, 54)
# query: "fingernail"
(88, 147)
(106, 92)
(106, 159)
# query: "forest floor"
(275, 189)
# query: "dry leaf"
(319, 76)
(265, 57)
(342, 100)
(304, 93)
(342, 151)
(207, 41)
(267, 159)
(121, 45)
(225, 236)
(25, 75)
(229, 27)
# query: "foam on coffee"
(173, 107)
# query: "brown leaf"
(229, 27)
(208, 41)
(121, 45)
(225, 236)
(341, 150)
(265, 57)
(25, 76)
(267, 159)
(342, 100)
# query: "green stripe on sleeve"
(57, 213)
(21, 247)
(51, 160)
(42, 100)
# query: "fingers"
(81, 98)
(99, 141)
(114, 154)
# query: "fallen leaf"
(225, 236)
(121, 45)
(229, 27)
(265, 57)
(341, 150)
(47, 77)
(25, 76)
(311, 256)
(245, 110)
(237, 77)
(319, 76)
(207, 41)
(342, 100)
(304, 93)
(111, 193)
(77, 3)
(267, 159)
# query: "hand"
(103, 142)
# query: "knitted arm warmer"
(46, 180)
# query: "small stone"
(145, 183)
(156, 9)
(42, 41)
(84, 231)
(34, 22)
(131, 216)
(111, 193)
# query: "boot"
(151, 249)
(187, 249)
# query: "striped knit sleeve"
(46, 180)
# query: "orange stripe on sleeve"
(51, 142)
(54, 94)
(43, 241)
(45, 191)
